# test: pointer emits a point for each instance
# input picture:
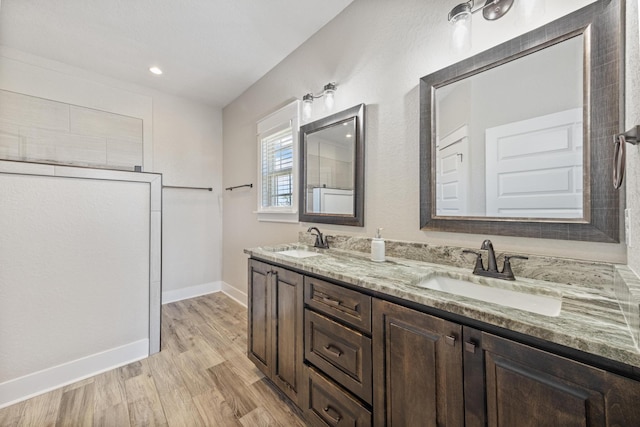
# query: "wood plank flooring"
(201, 377)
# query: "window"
(277, 169)
(277, 165)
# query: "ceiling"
(209, 50)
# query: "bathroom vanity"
(353, 342)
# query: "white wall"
(376, 51)
(188, 152)
(633, 118)
(182, 140)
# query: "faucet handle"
(506, 270)
(326, 240)
(479, 266)
(508, 257)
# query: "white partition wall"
(80, 263)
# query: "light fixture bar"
(328, 92)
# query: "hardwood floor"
(202, 377)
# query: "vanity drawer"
(349, 306)
(329, 405)
(342, 353)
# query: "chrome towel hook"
(620, 153)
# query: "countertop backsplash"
(552, 269)
(627, 290)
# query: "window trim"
(287, 116)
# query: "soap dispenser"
(377, 247)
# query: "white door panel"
(534, 167)
(452, 173)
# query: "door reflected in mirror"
(330, 169)
(509, 140)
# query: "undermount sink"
(548, 303)
(298, 253)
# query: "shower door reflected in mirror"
(332, 187)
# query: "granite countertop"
(590, 320)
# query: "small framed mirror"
(332, 169)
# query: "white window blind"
(277, 169)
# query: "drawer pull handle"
(450, 340)
(335, 418)
(332, 301)
(333, 350)
(470, 347)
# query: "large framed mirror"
(332, 169)
(517, 140)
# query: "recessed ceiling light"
(155, 70)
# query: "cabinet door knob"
(470, 347)
(333, 350)
(450, 340)
(336, 417)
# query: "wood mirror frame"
(357, 217)
(602, 24)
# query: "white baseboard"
(16, 390)
(190, 292)
(235, 293)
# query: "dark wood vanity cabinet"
(442, 373)
(417, 361)
(526, 386)
(348, 359)
(275, 329)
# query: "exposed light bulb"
(329, 91)
(307, 102)
(461, 37)
(155, 70)
(328, 101)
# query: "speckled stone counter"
(591, 319)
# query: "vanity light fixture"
(460, 18)
(492, 10)
(328, 93)
(155, 70)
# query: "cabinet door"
(288, 345)
(622, 401)
(260, 326)
(530, 387)
(417, 361)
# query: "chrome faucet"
(492, 268)
(321, 241)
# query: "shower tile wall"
(37, 129)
